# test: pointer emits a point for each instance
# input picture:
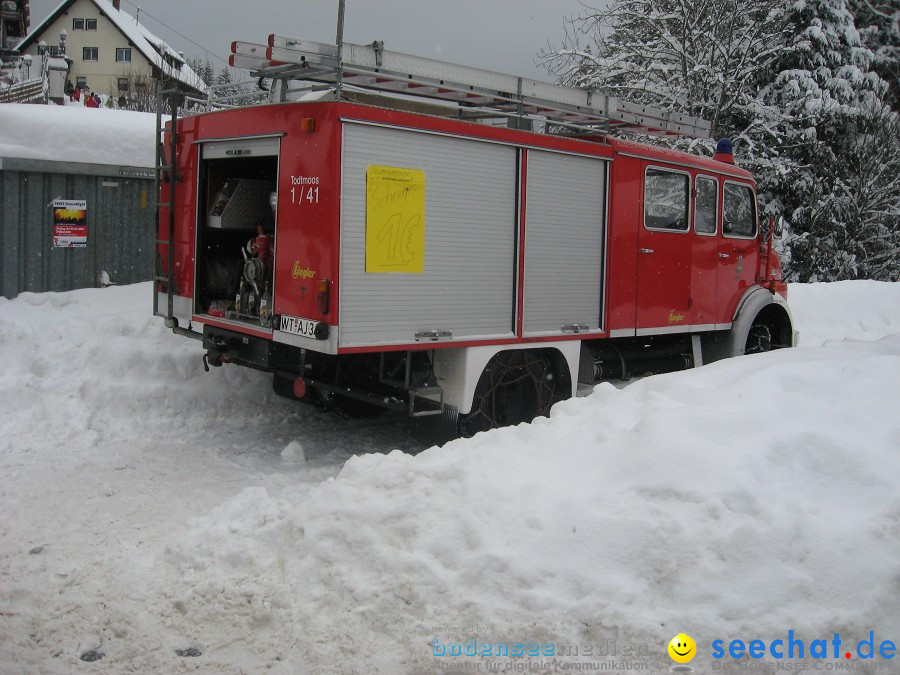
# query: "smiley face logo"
(682, 648)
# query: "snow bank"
(743, 499)
(831, 311)
(752, 497)
(77, 134)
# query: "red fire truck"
(390, 232)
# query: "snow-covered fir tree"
(794, 83)
(830, 108)
(698, 57)
(204, 69)
(878, 23)
(224, 77)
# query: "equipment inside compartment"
(236, 243)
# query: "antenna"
(339, 42)
(340, 23)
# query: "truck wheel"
(759, 339)
(515, 387)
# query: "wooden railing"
(31, 91)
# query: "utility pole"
(339, 40)
(340, 23)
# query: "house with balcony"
(22, 80)
(108, 50)
(14, 22)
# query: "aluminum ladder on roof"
(371, 67)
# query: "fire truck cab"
(373, 251)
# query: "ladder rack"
(371, 67)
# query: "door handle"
(724, 256)
(433, 334)
(646, 250)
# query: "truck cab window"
(706, 206)
(739, 214)
(666, 200)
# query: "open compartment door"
(236, 230)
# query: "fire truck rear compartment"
(236, 233)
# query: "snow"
(150, 510)
(824, 311)
(73, 133)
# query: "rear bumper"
(229, 346)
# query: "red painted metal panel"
(705, 248)
(470, 130)
(308, 215)
(239, 327)
(185, 207)
(624, 220)
(704, 284)
(664, 279)
(738, 264)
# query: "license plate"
(297, 326)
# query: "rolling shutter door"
(564, 242)
(467, 283)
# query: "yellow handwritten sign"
(395, 220)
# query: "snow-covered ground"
(166, 519)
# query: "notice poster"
(395, 220)
(70, 228)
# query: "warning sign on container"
(70, 228)
(395, 220)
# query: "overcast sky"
(503, 35)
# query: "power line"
(164, 24)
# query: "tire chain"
(510, 370)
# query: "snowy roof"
(73, 133)
(160, 55)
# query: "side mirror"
(779, 227)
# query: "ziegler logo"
(298, 272)
(675, 318)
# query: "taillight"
(323, 295)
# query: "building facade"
(108, 50)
